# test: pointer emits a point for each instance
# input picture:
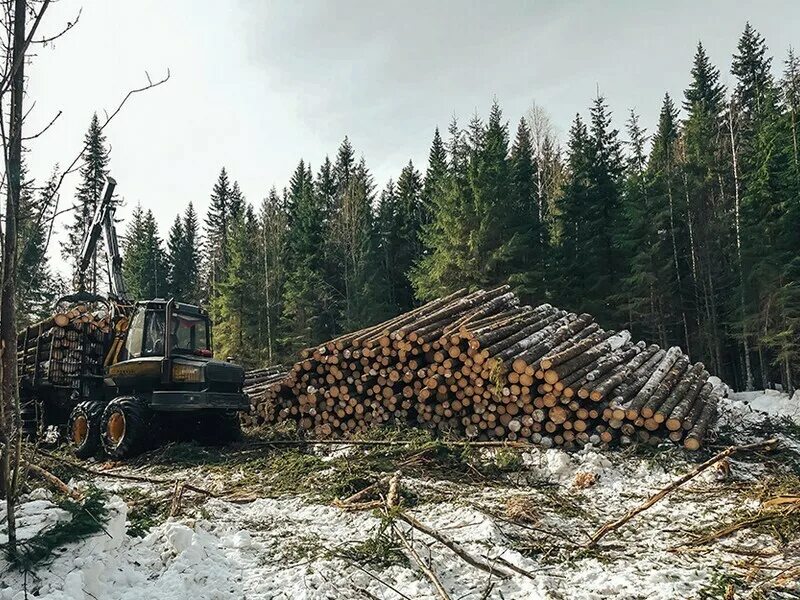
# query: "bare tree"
(16, 41)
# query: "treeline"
(689, 235)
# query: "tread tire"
(92, 411)
(137, 434)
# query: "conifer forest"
(688, 235)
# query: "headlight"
(187, 373)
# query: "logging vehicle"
(116, 374)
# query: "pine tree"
(93, 172)
(145, 263)
(435, 175)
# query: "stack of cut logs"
(482, 366)
(259, 384)
(63, 347)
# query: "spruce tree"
(183, 258)
(386, 238)
(37, 285)
(306, 289)
(93, 172)
(528, 268)
(407, 249)
(707, 210)
(665, 188)
(145, 262)
(236, 305)
(435, 175)
(273, 239)
(447, 265)
(216, 233)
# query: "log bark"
(649, 387)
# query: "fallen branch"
(455, 548)
(427, 571)
(177, 496)
(126, 477)
(343, 442)
(616, 524)
(360, 495)
(52, 480)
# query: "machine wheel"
(84, 428)
(219, 427)
(125, 427)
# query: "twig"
(376, 578)
(514, 567)
(52, 480)
(46, 127)
(427, 571)
(455, 548)
(617, 523)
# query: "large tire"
(83, 428)
(219, 427)
(125, 427)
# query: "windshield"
(154, 334)
(189, 334)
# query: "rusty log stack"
(61, 348)
(481, 366)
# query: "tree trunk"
(9, 419)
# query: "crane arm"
(103, 223)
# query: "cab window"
(133, 344)
(154, 334)
(189, 333)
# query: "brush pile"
(62, 348)
(481, 366)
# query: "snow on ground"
(290, 547)
(771, 402)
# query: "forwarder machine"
(158, 374)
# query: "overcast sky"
(256, 85)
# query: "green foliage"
(183, 257)
(145, 265)
(87, 518)
(93, 172)
(37, 285)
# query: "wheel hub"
(80, 429)
(116, 427)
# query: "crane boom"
(103, 222)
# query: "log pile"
(62, 348)
(259, 385)
(482, 366)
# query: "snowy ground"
(294, 546)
